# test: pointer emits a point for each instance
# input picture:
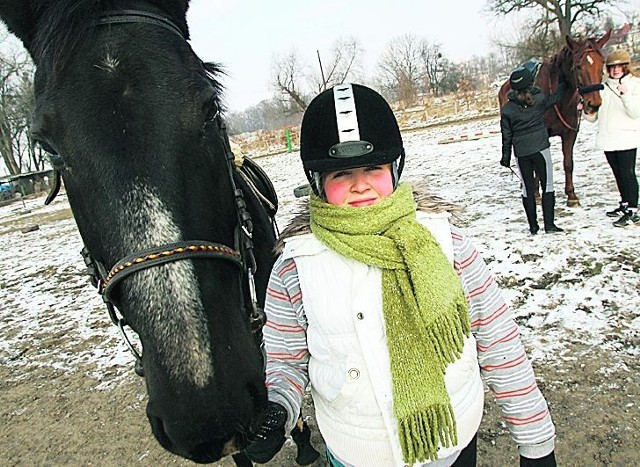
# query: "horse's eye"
(579, 67)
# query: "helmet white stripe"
(346, 116)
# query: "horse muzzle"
(196, 447)
(591, 108)
(208, 423)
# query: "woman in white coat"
(619, 133)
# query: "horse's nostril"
(160, 433)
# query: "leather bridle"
(575, 60)
(242, 255)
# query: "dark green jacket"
(523, 126)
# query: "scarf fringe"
(421, 433)
(446, 334)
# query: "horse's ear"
(19, 17)
(604, 39)
(573, 44)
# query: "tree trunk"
(6, 148)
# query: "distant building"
(627, 37)
(28, 183)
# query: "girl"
(387, 311)
(619, 133)
(523, 128)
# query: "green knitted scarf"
(424, 307)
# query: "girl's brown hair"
(525, 97)
(626, 70)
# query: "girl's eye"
(342, 173)
(374, 168)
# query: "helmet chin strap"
(316, 185)
(395, 174)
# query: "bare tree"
(564, 13)
(268, 114)
(343, 64)
(528, 44)
(287, 73)
(401, 70)
(435, 65)
(16, 107)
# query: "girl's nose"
(360, 182)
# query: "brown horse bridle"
(574, 66)
(241, 256)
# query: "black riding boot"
(548, 212)
(529, 204)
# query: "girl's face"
(362, 186)
(616, 71)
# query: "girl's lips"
(362, 202)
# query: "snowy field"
(580, 286)
(576, 289)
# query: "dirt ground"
(56, 418)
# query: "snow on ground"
(578, 287)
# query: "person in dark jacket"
(523, 128)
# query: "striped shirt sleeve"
(285, 339)
(504, 365)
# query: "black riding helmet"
(349, 126)
(521, 78)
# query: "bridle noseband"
(241, 256)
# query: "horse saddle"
(259, 183)
(533, 66)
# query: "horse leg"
(301, 435)
(568, 141)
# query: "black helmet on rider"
(521, 78)
(349, 126)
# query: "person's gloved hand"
(590, 88)
(270, 437)
(547, 461)
(505, 161)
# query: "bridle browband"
(136, 16)
(241, 256)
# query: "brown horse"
(580, 62)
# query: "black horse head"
(133, 115)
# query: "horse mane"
(212, 71)
(563, 56)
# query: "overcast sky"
(244, 35)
